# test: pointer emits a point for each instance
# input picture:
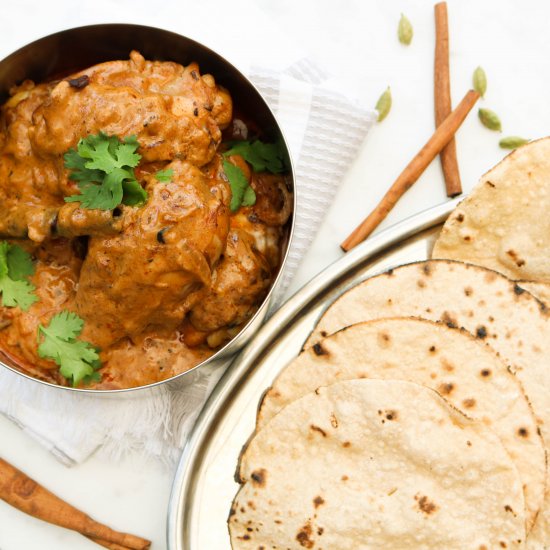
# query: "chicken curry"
(150, 216)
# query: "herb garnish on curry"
(142, 223)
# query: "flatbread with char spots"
(487, 304)
(467, 373)
(503, 224)
(370, 464)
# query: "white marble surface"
(356, 41)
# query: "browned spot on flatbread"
(317, 501)
(425, 504)
(421, 284)
(258, 477)
(345, 478)
(318, 349)
(485, 373)
(515, 258)
(432, 349)
(468, 291)
(449, 320)
(446, 389)
(317, 429)
(469, 403)
(518, 290)
(384, 339)
(481, 332)
(447, 365)
(523, 432)
(391, 415)
(427, 269)
(460, 218)
(346, 444)
(490, 184)
(304, 536)
(333, 421)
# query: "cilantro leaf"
(15, 267)
(78, 360)
(270, 157)
(77, 164)
(164, 176)
(238, 184)
(249, 197)
(132, 193)
(262, 156)
(20, 264)
(103, 167)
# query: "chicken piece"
(251, 259)
(274, 199)
(152, 357)
(150, 274)
(174, 111)
(75, 221)
(29, 185)
(240, 281)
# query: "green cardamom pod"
(512, 142)
(490, 119)
(383, 105)
(480, 81)
(405, 31)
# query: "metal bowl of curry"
(147, 200)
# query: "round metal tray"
(204, 485)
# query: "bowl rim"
(263, 309)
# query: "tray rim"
(175, 525)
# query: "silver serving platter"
(204, 485)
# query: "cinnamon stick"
(27, 495)
(413, 170)
(442, 98)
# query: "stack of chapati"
(417, 415)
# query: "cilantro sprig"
(270, 157)
(78, 360)
(15, 268)
(104, 166)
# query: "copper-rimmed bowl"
(74, 49)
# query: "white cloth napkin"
(324, 129)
